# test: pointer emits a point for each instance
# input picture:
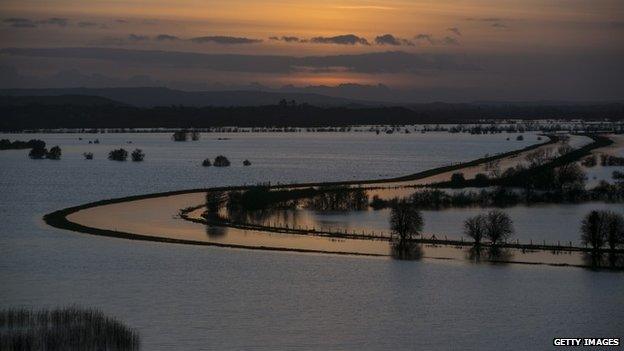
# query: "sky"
(412, 51)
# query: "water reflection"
(599, 259)
(479, 253)
(214, 231)
(406, 250)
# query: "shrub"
(118, 155)
(221, 161)
(138, 155)
(180, 136)
(38, 153)
(54, 153)
(457, 179)
(520, 137)
(88, 155)
(64, 329)
(246, 163)
(481, 179)
(206, 163)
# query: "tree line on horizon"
(41, 116)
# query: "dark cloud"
(56, 21)
(377, 62)
(166, 37)
(389, 39)
(427, 37)
(218, 39)
(449, 41)
(484, 19)
(137, 37)
(289, 39)
(433, 41)
(347, 39)
(455, 31)
(87, 24)
(19, 22)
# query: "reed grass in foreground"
(69, 328)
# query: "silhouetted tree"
(138, 155)
(194, 135)
(206, 163)
(457, 178)
(246, 163)
(221, 161)
(38, 152)
(406, 222)
(614, 229)
(593, 229)
(88, 155)
(499, 226)
(476, 228)
(118, 155)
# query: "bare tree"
(475, 227)
(406, 222)
(538, 157)
(614, 229)
(593, 229)
(499, 226)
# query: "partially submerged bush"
(246, 163)
(54, 153)
(206, 163)
(118, 155)
(88, 155)
(138, 155)
(180, 136)
(64, 329)
(221, 161)
(38, 153)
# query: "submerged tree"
(180, 136)
(499, 226)
(406, 222)
(221, 161)
(118, 155)
(614, 229)
(138, 155)
(593, 229)
(38, 152)
(54, 153)
(476, 228)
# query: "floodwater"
(203, 298)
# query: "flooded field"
(184, 296)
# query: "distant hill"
(152, 97)
(90, 112)
(75, 100)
